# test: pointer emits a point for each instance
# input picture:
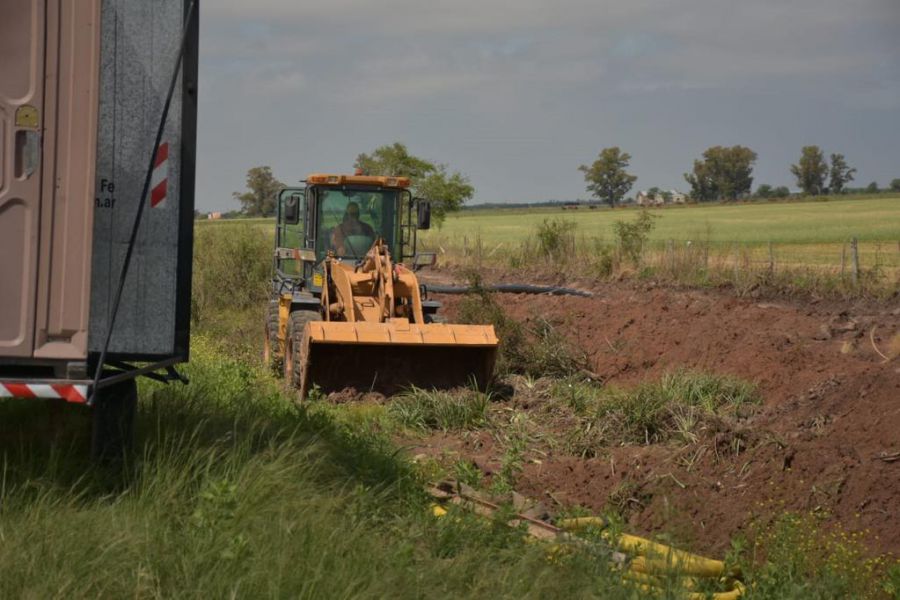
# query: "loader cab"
(349, 219)
(343, 215)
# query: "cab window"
(350, 220)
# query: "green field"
(805, 234)
(836, 221)
(827, 222)
(795, 234)
(799, 234)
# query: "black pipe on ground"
(510, 288)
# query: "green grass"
(232, 270)
(833, 221)
(234, 492)
(435, 409)
(792, 235)
(672, 408)
(795, 557)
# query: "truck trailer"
(98, 112)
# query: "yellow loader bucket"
(388, 357)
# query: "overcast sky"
(517, 95)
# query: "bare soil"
(826, 440)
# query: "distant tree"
(872, 188)
(394, 159)
(725, 173)
(895, 185)
(764, 191)
(781, 191)
(703, 187)
(841, 174)
(447, 191)
(653, 192)
(811, 170)
(607, 178)
(259, 200)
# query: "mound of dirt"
(827, 439)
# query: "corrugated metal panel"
(21, 108)
(139, 43)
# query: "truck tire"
(293, 369)
(113, 413)
(271, 350)
(433, 318)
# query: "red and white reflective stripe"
(69, 392)
(159, 182)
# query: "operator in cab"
(351, 232)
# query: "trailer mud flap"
(389, 357)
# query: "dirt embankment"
(826, 440)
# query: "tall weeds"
(231, 270)
(538, 349)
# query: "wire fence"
(851, 262)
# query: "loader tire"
(272, 357)
(432, 318)
(293, 367)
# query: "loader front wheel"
(296, 328)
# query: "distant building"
(645, 198)
(214, 216)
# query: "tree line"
(725, 173)
(722, 173)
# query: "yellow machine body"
(374, 335)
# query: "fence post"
(843, 259)
(854, 259)
(670, 250)
(465, 246)
(737, 259)
(771, 259)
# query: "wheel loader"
(347, 310)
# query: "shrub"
(632, 236)
(600, 260)
(555, 238)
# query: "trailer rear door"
(22, 46)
